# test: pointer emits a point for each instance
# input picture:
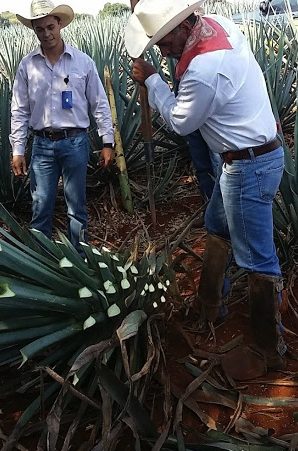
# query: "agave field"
(101, 353)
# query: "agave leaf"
(14, 260)
(65, 263)
(129, 300)
(113, 310)
(131, 324)
(34, 297)
(30, 411)
(85, 293)
(64, 353)
(6, 188)
(271, 401)
(5, 291)
(17, 336)
(67, 243)
(218, 438)
(91, 353)
(50, 262)
(92, 263)
(105, 273)
(74, 257)
(47, 244)
(26, 322)
(46, 341)
(75, 273)
(10, 357)
(21, 233)
(94, 319)
(125, 284)
(119, 392)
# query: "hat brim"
(64, 12)
(136, 40)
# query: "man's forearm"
(19, 132)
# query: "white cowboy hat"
(154, 19)
(43, 8)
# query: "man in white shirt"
(222, 93)
(54, 88)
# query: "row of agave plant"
(103, 41)
(275, 49)
(87, 332)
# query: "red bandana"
(207, 36)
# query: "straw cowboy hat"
(43, 8)
(154, 19)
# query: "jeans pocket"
(269, 181)
(78, 140)
(42, 147)
(232, 169)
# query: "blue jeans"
(50, 160)
(240, 209)
(205, 162)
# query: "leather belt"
(244, 154)
(57, 135)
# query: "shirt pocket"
(76, 81)
(268, 181)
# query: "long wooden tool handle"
(145, 108)
(146, 126)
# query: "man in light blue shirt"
(55, 87)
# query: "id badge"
(66, 100)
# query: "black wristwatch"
(109, 145)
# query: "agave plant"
(91, 318)
(286, 204)
(91, 351)
(5, 187)
(15, 42)
(103, 41)
(277, 53)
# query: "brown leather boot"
(215, 261)
(267, 350)
(263, 292)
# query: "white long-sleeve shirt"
(222, 93)
(37, 98)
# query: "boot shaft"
(215, 262)
(264, 292)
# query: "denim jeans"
(240, 209)
(205, 162)
(50, 160)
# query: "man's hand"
(141, 70)
(19, 166)
(107, 155)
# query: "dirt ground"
(270, 402)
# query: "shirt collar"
(67, 50)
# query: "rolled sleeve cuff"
(158, 92)
(107, 139)
(152, 80)
(18, 150)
